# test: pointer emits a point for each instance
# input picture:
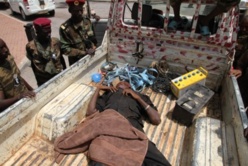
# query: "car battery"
(191, 103)
(180, 84)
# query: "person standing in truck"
(221, 7)
(44, 52)
(241, 73)
(12, 86)
(240, 65)
(242, 40)
(76, 34)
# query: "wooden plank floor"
(168, 137)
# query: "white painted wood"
(64, 112)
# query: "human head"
(4, 51)
(244, 26)
(76, 9)
(117, 83)
(43, 28)
(123, 85)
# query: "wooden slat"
(168, 135)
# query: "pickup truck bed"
(171, 138)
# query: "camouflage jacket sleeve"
(61, 56)
(66, 44)
(15, 68)
(28, 52)
(91, 33)
(57, 44)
